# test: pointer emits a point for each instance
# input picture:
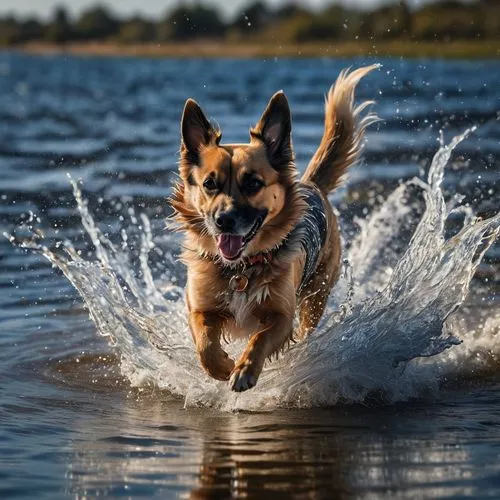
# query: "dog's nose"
(225, 222)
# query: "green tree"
(290, 11)
(96, 23)
(137, 30)
(252, 18)
(490, 18)
(192, 21)
(391, 21)
(10, 31)
(447, 20)
(330, 24)
(59, 30)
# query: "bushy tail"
(344, 130)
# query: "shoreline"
(485, 49)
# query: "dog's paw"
(242, 379)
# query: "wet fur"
(265, 311)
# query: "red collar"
(239, 281)
(259, 258)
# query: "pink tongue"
(230, 245)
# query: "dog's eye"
(210, 184)
(252, 185)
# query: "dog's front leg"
(206, 328)
(263, 344)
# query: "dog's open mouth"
(231, 246)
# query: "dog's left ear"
(274, 129)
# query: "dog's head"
(237, 199)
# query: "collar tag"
(238, 283)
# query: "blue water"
(73, 424)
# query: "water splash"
(388, 327)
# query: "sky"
(157, 8)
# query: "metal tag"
(238, 283)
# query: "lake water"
(383, 401)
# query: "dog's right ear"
(274, 130)
(196, 130)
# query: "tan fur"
(343, 133)
(265, 311)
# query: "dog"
(260, 245)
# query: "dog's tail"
(344, 130)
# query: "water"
(396, 393)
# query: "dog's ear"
(196, 130)
(274, 129)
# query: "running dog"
(260, 244)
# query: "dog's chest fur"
(242, 304)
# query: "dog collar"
(239, 281)
(259, 258)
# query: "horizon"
(151, 8)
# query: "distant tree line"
(291, 23)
